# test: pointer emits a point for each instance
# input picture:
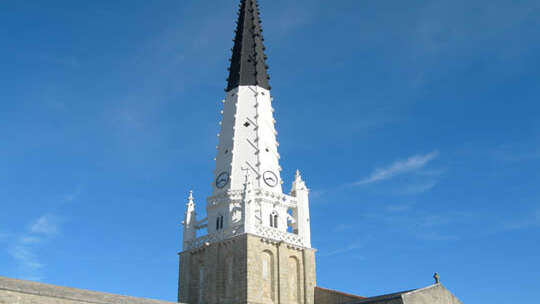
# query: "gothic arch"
(268, 277)
(294, 280)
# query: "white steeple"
(247, 141)
(247, 194)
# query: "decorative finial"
(190, 198)
(298, 176)
(437, 278)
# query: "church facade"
(257, 247)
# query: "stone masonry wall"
(215, 273)
(289, 273)
(247, 269)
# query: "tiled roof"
(73, 294)
(383, 298)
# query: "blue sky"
(416, 125)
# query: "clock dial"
(222, 180)
(270, 178)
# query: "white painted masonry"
(247, 195)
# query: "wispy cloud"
(22, 247)
(351, 247)
(45, 225)
(399, 167)
(28, 262)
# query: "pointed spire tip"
(190, 197)
(248, 44)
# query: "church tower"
(258, 245)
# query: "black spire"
(248, 62)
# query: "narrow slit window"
(273, 220)
(219, 222)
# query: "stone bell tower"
(258, 245)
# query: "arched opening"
(267, 276)
(294, 280)
(274, 219)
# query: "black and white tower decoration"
(258, 246)
(247, 194)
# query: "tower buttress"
(301, 213)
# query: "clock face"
(222, 180)
(270, 178)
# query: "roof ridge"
(423, 288)
(70, 293)
(341, 292)
(383, 297)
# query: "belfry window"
(273, 220)
(219, 222)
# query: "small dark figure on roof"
(437, 278)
